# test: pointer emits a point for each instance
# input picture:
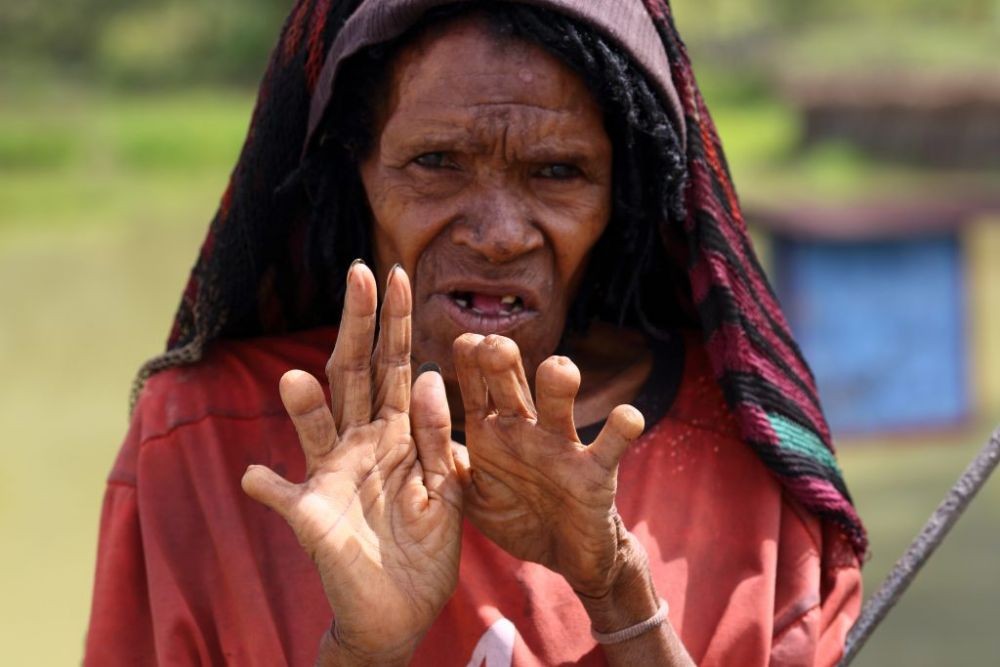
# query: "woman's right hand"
(380, 509)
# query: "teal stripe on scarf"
(801, 440)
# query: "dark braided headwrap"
(241, 286)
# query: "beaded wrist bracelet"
(633, 631)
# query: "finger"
(349, 368)
(557, 383)
(463, 466)
(305, 403)
(431, 422)
(470, 380)
(269, 488)
(623, 426)
(392, 354)
(500, 363)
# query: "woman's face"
(489, 182)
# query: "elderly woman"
(612, 451)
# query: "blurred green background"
(119, 123)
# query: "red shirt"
(192, 571)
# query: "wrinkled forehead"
(467, 55)
(465, 43)
(470, 88)
(626, 22)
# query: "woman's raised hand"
(531, 485)
(380, 509)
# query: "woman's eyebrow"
(556, 151)
(425, 132)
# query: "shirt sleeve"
(121, 628)
(139, 613)
(818, 596)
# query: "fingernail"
(392, 274)
(350, 269)
(428, 366)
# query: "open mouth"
(477, 310)
(489, 305)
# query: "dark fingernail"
(428, 366)
(392, 273)
(357, 261)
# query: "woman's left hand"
(532, 486)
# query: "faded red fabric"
(191, 571)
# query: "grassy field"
(103, 201)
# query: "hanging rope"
(933, 534)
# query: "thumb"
(269, 488)
(623, 426)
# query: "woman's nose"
(498, 226)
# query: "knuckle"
(429, 424)
(399, 360)
(352, 365)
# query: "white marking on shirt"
(496, 646)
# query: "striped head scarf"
(241, 286)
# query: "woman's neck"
(614, 363)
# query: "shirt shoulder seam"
(194, 421)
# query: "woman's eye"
(559, 172)
(432, 160)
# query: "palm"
(380, 509)
(370, 526)
(537, 503)
(535, 489)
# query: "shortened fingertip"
(467, 340)
(498, 341)
(628, 421)
(498, 352)
(559, 373)
(300, 392)
(247, 480)
(291, 376)
(289, 381)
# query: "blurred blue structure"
(896, 305)
(883, 324)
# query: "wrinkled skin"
(533, 487)
(491, 179)
(492, 175)
(380, 509)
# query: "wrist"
(630, 599)
(334, 651)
